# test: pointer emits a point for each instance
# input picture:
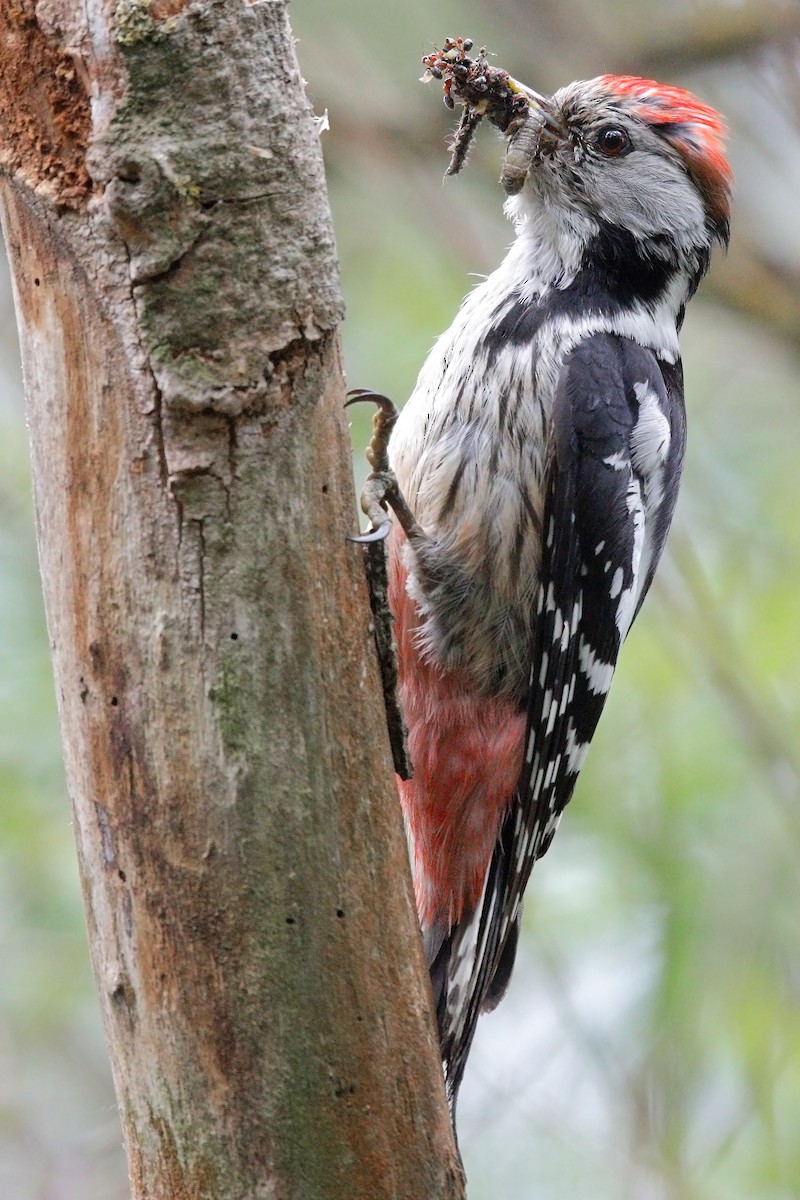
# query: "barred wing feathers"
(616, 453)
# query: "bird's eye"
(613, 142)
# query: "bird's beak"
(543, 107)
(538, 135)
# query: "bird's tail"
(470, 967)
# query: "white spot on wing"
(629, 596)
(598, 674)
(552, 824)
(576, 751)
(618, 461)
(552, 714)
(543, 670)
(651, 436)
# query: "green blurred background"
(649, 1048)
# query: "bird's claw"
(377, 534)
(381, 487)
(383, 422)
(379, 490)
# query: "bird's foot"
(381, 487)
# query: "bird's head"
(621, 153)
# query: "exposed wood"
(251, 922)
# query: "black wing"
(616, 454)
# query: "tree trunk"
(251, 922)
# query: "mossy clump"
(134, 21)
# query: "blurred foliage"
(649, 1048)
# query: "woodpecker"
(535, 473)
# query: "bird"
(534, 472)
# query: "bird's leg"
(381, 487)
(379, 490)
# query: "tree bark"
(251, 922)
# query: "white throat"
(550, 241)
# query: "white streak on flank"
(616, 583)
